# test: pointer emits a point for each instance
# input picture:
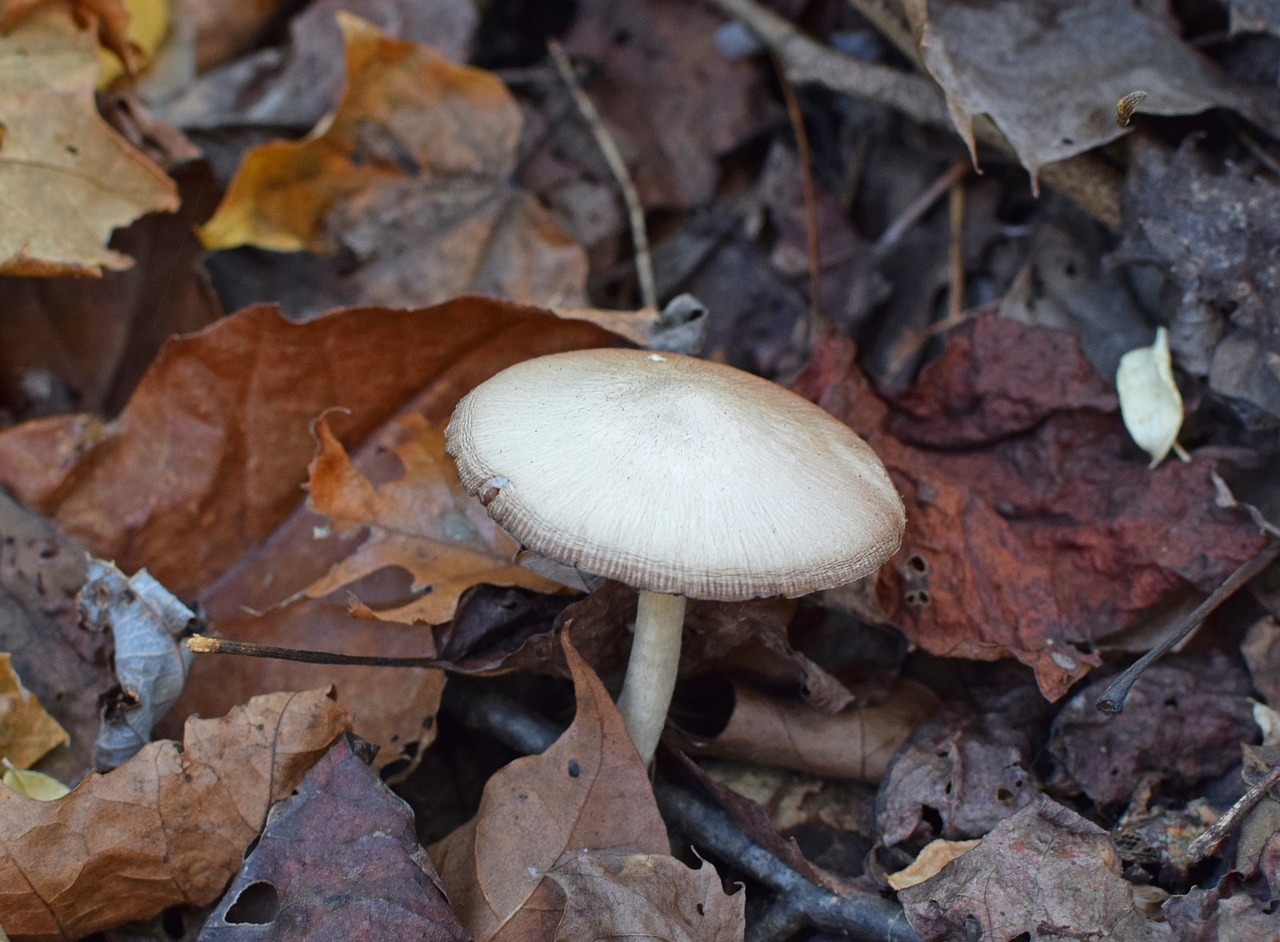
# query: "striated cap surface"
(675, 474)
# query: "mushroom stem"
(651, 672)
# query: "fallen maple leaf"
(169, 827)
(645, 896)
(27, 732)
(588, 790)
(425, 522)
(336, 857)
(411, 175)
(66, 179)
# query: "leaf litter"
(1041, 553)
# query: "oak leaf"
(66, 179)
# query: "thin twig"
(919, 206)
(810, 196)
(865, 916)
(203, 644)
(618, 167)
(1206, 842)
(955, 256)
(1112, 699)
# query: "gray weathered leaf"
(145, 620)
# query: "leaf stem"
(203, 644)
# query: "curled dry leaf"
(66, 179)
(410, 175)
(588, 791)
(167, 828)
(645, 896)
(145, 622)
(1046, 872)
(27, 732)
(424, 522)
(855, 744)
(336, 857)
(1149, 399)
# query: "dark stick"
(203, 644)
(865, 916)
(1112, 699)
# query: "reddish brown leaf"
(216, 439)
(336, 857)
(1034, 527)
(168, 827)
(588, 791)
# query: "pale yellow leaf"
(1149, 399)
(936, 855)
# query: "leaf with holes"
(338, 856)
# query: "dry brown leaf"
(216, 438)
(855, 744)
(672, 102)
(1019, 62)
(424, 522)
(645, 896)
(110, 18)
(27, 731)
(83, 343)
(935, 855)
(66, 179)
(169, 827)
(1045, 872)
(409, 175)
(588, 791)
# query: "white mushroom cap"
(675, 475)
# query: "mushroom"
(677, 476)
